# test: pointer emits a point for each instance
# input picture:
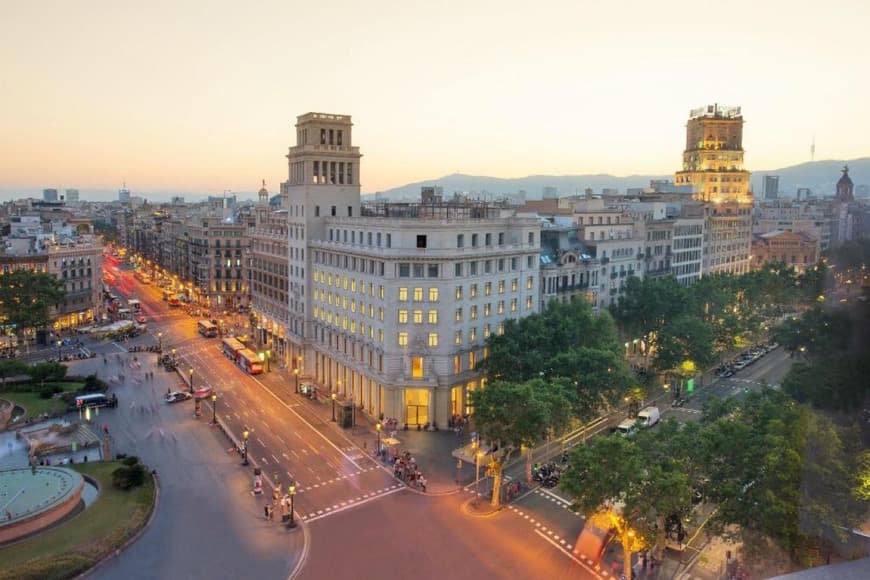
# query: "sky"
(202, 95)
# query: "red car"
(141, 319)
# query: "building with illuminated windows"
(713, 167)
(388, 305)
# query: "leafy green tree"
(599, 376)
(836, 383)
(26, 298)
(647, 305)
(12, 368)
(47, 371)
(818, 333)
(684, 339)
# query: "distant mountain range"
(820, 176)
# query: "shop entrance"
(417, 406)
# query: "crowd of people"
(405, 468)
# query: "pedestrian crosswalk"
(351, 502)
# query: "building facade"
(796, 249)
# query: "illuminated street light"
(378, 429)
(159, 341)
(245, 435)
(333, 406)
(190, 373)
(296, 374)
(292, 491)
(214, 408)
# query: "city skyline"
(152, 96)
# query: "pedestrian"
(266, 511)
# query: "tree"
(511, 416)
(12, 368)
(647, 305)
(684, 339)
(598, 375)
(818, 333)
(26, 298)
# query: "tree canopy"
(26, 298)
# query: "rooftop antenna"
(813, 149)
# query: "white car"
(177, 396)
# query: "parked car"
(141, 319)
(649, 416)
(627, 428)
(177, 397)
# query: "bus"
(231, 348)
(207, 328)
(248, 360)
(96, 400)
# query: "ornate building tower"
(323, 171)
(845, 193)
(713, 166)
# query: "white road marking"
(352, 505)
(569, 554)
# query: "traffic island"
(480, 507)
(109, 524)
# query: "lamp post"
(245, 435)
(190, 373)
(173, 357)
(378, 429)
(268, 358)
(159, 342)
(292, 491)
(333, 405)
(477, 455)
(296, 375)
(214, 408)
(59, 349)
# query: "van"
(649, 416)
(627, 428)
(96, 400)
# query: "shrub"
(130, 461)
(128, 477)
(48, 371)
(49, 390)
(93, 384)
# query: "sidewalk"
(431, 449)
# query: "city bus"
(207, 328)
(231, 348)
(248, 360)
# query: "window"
(501, 238)
(457, 270)
(458, 316)
(421, 241)
(487, 240)
(530, 282)
(457, 337)
(513, 304)
(403, 339)
(472, 269)
(433, 317)
(472, 359)
(389, 240)
(514, 284)
(473, 240)
(417, 367)
(472, 314)
(501, 306)
(460, 241)
(433, 294)
(432, 270)
(487, 289)
(403, 295)
(418, 294)
(528, 303)
(418, 270)
(487, 310)
(531, 238)
(404, 270)
(473, 291)
(501, 286)
(487, 267)
(458, 293)
(457, 365)
(403, 316)
(433, 339)
(486, 331)
(316, 211)
(332, 211)
(418, 317)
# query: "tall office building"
(49, 194)
(124, 194)
(713, 167)
(387, 305)
(72, 194)
(771, 187)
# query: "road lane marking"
(275, 458)
(353, 505)
(569, 554)
(310, 426)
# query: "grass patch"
(76, 545)
(36, 405)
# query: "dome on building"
(845, 187)
(263, 194)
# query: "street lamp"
(333, 406)
(296, 374)
(173, 357)
(268, 359)
(190, 372)
(378, 429)
(59, 349)
(477, 456)
(292, 491)
(159, 341)
(245, 435)
(214, 408)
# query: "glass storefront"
(417, 406)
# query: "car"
(141, 319)
(177, 397)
